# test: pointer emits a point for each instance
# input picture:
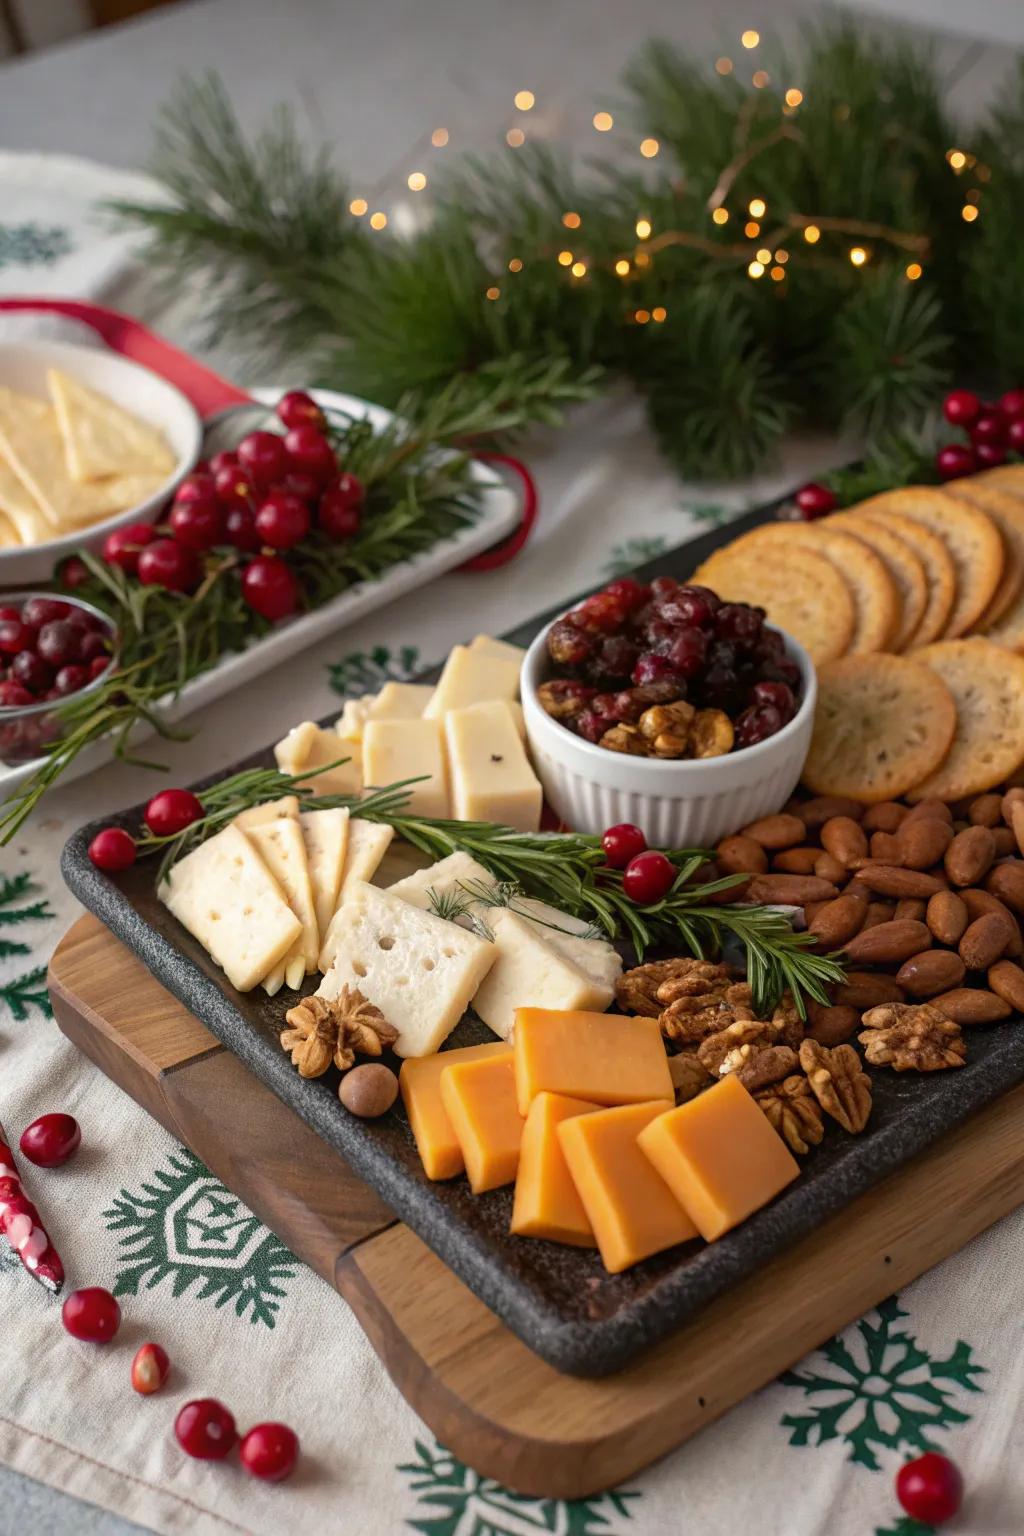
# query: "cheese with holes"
(368, 842)
(287, 808)
(491, 777)
(719, 1156)
(281, 846)
(394, 750)
(630, 1207)
(419, 970)
(307, 748)
(400, 701)
(456, 876)
(472, 677)
(486, 645)
(607, 1058)
(226, 897)
(325, 834)
(419, 1083)
(547, 1203)
(479, 1098)
(529, 972)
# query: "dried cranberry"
(659, 633)
(687, 651)
(628, 591)
(739, 622)
(31, 671)
(617, 708)
(590, 726)
(690, 606)
(757, 723)
(662, 587)
(652, 668)
(14, 637)
(600, 613)
(59, 642)
(568, 645)
(776, 694)
(770, 645)
(721, 688)
(784, 671)
(618, 655)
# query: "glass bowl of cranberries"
(52, 649)
(662, 705)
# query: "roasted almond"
(778, 831)
(868, 989)
(912, 907)
(885, 848)
(887, 880)
(791, 890)
(811, 910)
(828, 868)
(985, 810)
(1017, 825)
(936, 970)
(740, 855)
(1010, 799)
(814, 813)
(888, 944)
(1007, 981)
(922, 840)
(842, 837)
(884, 817)
(796, 861)
(837, 921)
(836, 1024)
(972, 1005)
(936, 809)
(879, 912)
(947, 916)
(969, 856)
(1007, 882)
(1004, 840)
(979, 902)
(985, 940)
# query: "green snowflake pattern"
(12, 889)
(623, 557)
(33, 245)
(905, 1526)
(884, 1391)
(186, 1227)
(454, 1500)
(365, 671)
(26, 991)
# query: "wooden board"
(486, 1397)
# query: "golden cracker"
(799, 590)
(987, 683)
(875, 601)
(903, 566)
(1007, 512)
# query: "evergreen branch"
(26, 992)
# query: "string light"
(794, 97)
(812, 234)
(378, 220)
(756, 269)
(914, 271)
(750, 38)
(642, 316)
(752, 229)
(515, 137)
(622, 267)
(649, 148)
(571, 220)
(757, 207)
(759, 79)
(659, 314)
(515, 265)
(643, 229)
(524, 100)
(603, 121)
(417, 181)
(777, 274)
(358, 206)
(858, 255)
(493, 293)
(957, 159)
(968, 213)
(723, 66)
(579, 269)
(439, 138)
(764, 254)
(565, 258)
(720, 216)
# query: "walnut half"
(912, 1037)
(794, 1112)
(838, 1082)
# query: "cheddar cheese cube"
(719, 1156)
(630, 1207)
(546, 1200)
(479, 1098)
(419, 1082)
(600, 1057)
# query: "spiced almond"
(985, 940)
(978, 902)
(775, 832)
(912, 907)
(791, 890)
(868, 989)
(837, 921)
(969, 856)
(885, 848)
(930, 808)
(835, 1024)
(972, 1005)
(922, 840)
(933, 971)
(828, 868)
(947, 916)
(740, 855)
(985, 810)
(843, 838)
(884, 817)
(1006, 881)
(888, 944)
(796, 861)
(815, 812)
(888, 880)
(1006, 980)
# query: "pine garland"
(734, 326)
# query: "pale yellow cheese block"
(400, 701)
(308, 747)
(287, 809)
(491, 647)
(281, 846)
(396, 750)
(326, 837)
(489, 772)
(349, 724)
(102, 439)
(368, 841)
(473, 677)
(531, 973)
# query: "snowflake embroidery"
(33, 245)
(365, 671)
(188, 1228)
(884, 1392)
(27, 990)
(623, 557)
(453, 1500)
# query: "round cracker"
(1005, 477)
(940, 575)
(903, 566)
(882, 724)
(799, 590)
(969, 534)
(987, 682)
(1007, 512)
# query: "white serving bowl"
(675, 804)
(23, 368)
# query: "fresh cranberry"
(150, 1368)
(622, 843)
(1012, 404)
(988, 427)
(600, 614)
(32, 672)
(70, 679)
(196, 489)
(112, 849)
(205, 1429)
(269, 1451)
(652, 668)
(122, 547)
(235, 488)
(338, 514)
(628, 591)
(91, 1314)
(51, 1140)
(8, 614)
(1015, 434)
(171, 811)
(776, 694)
(930, 1488)
(94, 643)
(13, 695)
(269, 587)
(282, 521)
(567, 644)
(198, 525)
(648, 877)
(262, 454)
(757, 723)
(309, 450)
(687, 651)
(961, 407)
(618, 655)
(98, 665)
(297, 409)
(14, 636)
(302, 484)
(815, 500)
(59, 642)
(74, 573)
(954, 460)
(169, 564)
(43, 610)
(240, 529)
(590, 726)
(226, 459)
(990, 455)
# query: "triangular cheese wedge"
(325, 834)
(100, 438)
(279, 844)
(285, 809)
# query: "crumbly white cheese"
(490, 774)
(308, 747)
(281, 846)
(531, 973)
(325, 834)
(368, 841)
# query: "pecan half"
(639, 990)
(838, 1082)
(793, 1112)
(912, 1037)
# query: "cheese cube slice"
(325, 834)
(486, 645)
(448, 877)
(308, 747)
(281, 846)
(368, 842)
(349, 724)
(630, 1207)
(287, 808)
(400, 701)
(479, 1098)
(408, 749)
(719, 1156)
(530, 972)
(417, 969)
(226, 897)
(472, 677)
(605, 1058)
(419, 1082)
(547, 1203)
(491, 777)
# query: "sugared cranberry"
(622, 843)
(692, 607)
(567, 644)
(171, 811)
(687, 651)
(32, 672)
(988, 427)
(600, 613)
(91, 1314)
(297, 409)
(269, 1451)
(205, 1429)
(70, 679)
(757, 723)
(199, 525)
(777, 695)
(269, 588)
(13, 695)
(112, 849)
(990, 455)
(930, 1488)
(44, 610)
(59, 642)
(263, 455)
(739, 622)
(648, 877)
(150, 1368)
(960, 407)
(628, 591)
(14, 636)
(652, 668)
(954, 460)
(309, 450)
(662, 587)
(51, 1140)
(590, 726)
(282, 520)
(618, 655)
(235, 487)
(338, 513)
(240, 529)
(73, 573)
(616, 708)
(122, 547)
(166, 563)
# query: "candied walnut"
(673, 719)
(688, 1022)
(794, 1112)
(715, 1049)
(562, 698)
(787, 1023)
(911, 1037)
(700, 979)
(711, 734)
(839, 1083)
(756, 1067)
(689, 1076)
(639, 990)
(625, 738)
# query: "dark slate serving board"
(558, 1300)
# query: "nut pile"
(322, 1033)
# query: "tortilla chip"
(100, 438)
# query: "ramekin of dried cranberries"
(664, 706)
(51, 649)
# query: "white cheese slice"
(325, 834)
(472, 677)
(286, 808)
(570, 935)
(308, 747)
(368, 842)
(226, 897)
(281, 846)
(349, 724)
(530, 973)
(490, 774)
(400, 701)
(488, 646)
(444, 878)
(394, 750)
(420, 971)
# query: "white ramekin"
(675, 804)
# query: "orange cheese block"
(630, 1207)
(601, 1057)
(546, 1202)
(420, 1084)
(480, 1100)
(719, 1156)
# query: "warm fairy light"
(659, 314)
(812, 234)
(565, 258)
(579, 269)
(493, 293)
(378, 220)
(358, 206)
(439, 138)
(417, 181)
(757, 207)
(622, 267)
(858, 255)
(794, 97)
(649, 148)
(524, 100)
(968, 213)
(750, 38)
(752, 229)
(759, 79)
(643, 229)
(764, 254)
(723, 66)
(957, 159)
(781, 257)
(756, 269)
(515, 265)
(777, 274)
(642, 316)
(914, 271)
(603, 121)
(515, 137)
(720, 216)
(571, 220)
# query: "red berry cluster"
(49, 650)
(206, 1430)
(630, 646)
(167, 814)
(262, 498)
(647, 875)
(993, 430)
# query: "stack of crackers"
(72, 460)
(912, 607)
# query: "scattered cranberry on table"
(205, 1429)
(150, 1368)
(91, 1314)
(648, 877)
(112, 849)
(269, 1451)
(171, 811)
(930, 1488)
(51, 1140)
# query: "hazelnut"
(368, 1090)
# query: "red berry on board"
(1015, 434)
(91, 1314)
(205, 1429)
(226, 459)
(309, 450)
(122, 547)
(954, 460)
(337, 514)
(622, 843)
(234, 487)
(269, 1451)
(73, 573)
(195, 487)
(990, 455)
(9, 614)
(32, 672)
(930, 1488)
(283, 520)
(648, 877)
(150, 1368)
(1011, 405)
(51, 1140)
(960, 407)
(269, 587)
(70, 679)
(14, 636)
(262, 454)
(989, 427)
(198, 524)
(240, 529)
(94, 643)
(171, 811)
(297, 409)
(815, 500)
(112, 849)
(13, 695)
(169, 564)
